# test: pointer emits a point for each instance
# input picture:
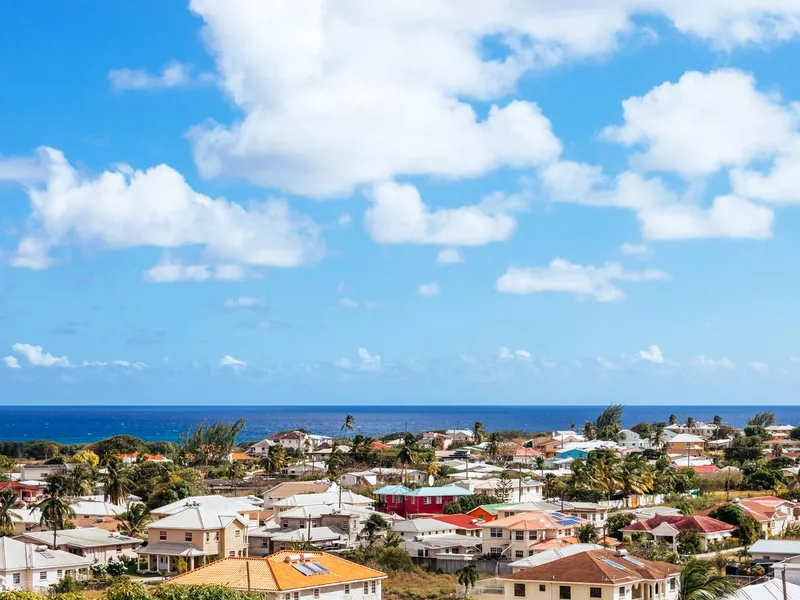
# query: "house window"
(622, 592)
(584, 516)
(656, 589)
(519, 535)
(495, 551)
(208, 536)
(296, 595)
(119, 548)
(438, 499)
(595, 592)
(16, 578)
(420, 553)
(162, 535)
(672, 585)
(42, 575)
(238, 533)
(232, 553)
(346, 589)
(542, 587)
(531, 535)
(519, 590)
(565, 592)
(187, 536)
(519, 554)
(495, 532)
(265, 543)
(216, 537)
(59, 574)
(427, 500)
(316, 593)
(366, 587)
(373, 586)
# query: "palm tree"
(116, 484)
(468, 577)
(235, 473)
(636, 476)
(133, 522)
(673, 419)
(81, 480)
(478, 432)
(493, 445)
(8, 499)
(274, 460)
(393, 540)
(587, 534)
(349, 423)
(659, 438)
(690, 421)
(56, 512)
(374, 526)
(408, 453)
(540, 464)
(763, 419)
(604, 470)
(700, 581)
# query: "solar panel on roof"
(317, 568)
(614, 564)
(303, 568)
(630, 559)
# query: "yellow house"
(197, 535)
(686, 443)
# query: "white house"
(25, 566)
(92, 543)
(368, 478)
(261, 448)
(704, 430)
(628, 438)
(520, 490)
(770, 551)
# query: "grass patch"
(419, 585)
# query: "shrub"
(65, 586)
(125, 589)
(201, 592)
(688, 541)
(115, 568)
(21, 595)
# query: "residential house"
(771, 589)
(216, 503)
(666, 529)
(42, 472)
(771, 551)
(548, 446)
(594, 575)
(698, 428)
(487, 512)
(93, 508)
(780, 431)
(26, 566)
(430, 538)
(433, 439)
(460, 436)
(400, 500)
(524, 489)
(686, 443)
(548, 556)
(464, 524)
(568, 435)
(594, 513)
(260, 449)
(313, 467)
(362, 478)
(332, 498)
(299, 441)
(135, 457)
(293, 488)
(195, 534)
(773, 514)
(93, 543)
(526, 533)
(587, 446)
(28, 492)
(630, 439)
(26, 519)
(395, 475)
(291, 576)
(527, 456)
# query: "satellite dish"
(430, 480)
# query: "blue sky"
(324, 201)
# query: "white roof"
(17, 556)
(542, 558)
(459, 432)
(687, 438)
(318, 510)
(422, 526)
(588, 446)
(318, 534)
(347, 496)
(26, 515)
(215, 503)
(91, 508)
(769, 590)
(197, 517)
(693, 461)
(776, 547)
(85, 537)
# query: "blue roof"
(444, 490)
(392, 490)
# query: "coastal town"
(655, 511)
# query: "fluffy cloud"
(350, 303)
(229, 361)
(664, 215)
(703, 123)
(449, 256)
(244, 302)
(399, 216)
(780, 184)
(173, 75)
(628, 249)
(11, 362)
(584, 281)
(369, 362)
(428, 289)
(505, 354)
(36, 357)
(652, 354)
(712, 363)
(126, 208)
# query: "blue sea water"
(83, 424)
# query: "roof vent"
(621, 552)
(41, 548)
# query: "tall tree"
(374, 526)
(700, 581)
(408, 453)
(133, 522)
(504, 491)
(8, 500)
(763, 419)
(467, 577)
(349, 424)
(673, 419)
(116, 483)
(478, 432)
(540, 464)
(56, 511)
(235, 472)
(587, 534)
(493, 445)
(274, 460)
(636, 476)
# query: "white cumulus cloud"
(449, 256)
(127, 208)
(629, 249)
(11, 362)
(244, 302)
(713, 363)
(428, 289)
(584, 281)
(232, 363)
(652, 354)
(37, 357)
(173, 75)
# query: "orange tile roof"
(135, 455)
(535, 520)
(241, 456)
(275, 573)
(104, 523)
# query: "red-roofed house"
(773, 513)
(465, 524)
(666, 529)
(27, 492)
(133, 457)
(377, 446)
(701, 469)
(527, 533)
(527, 456)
